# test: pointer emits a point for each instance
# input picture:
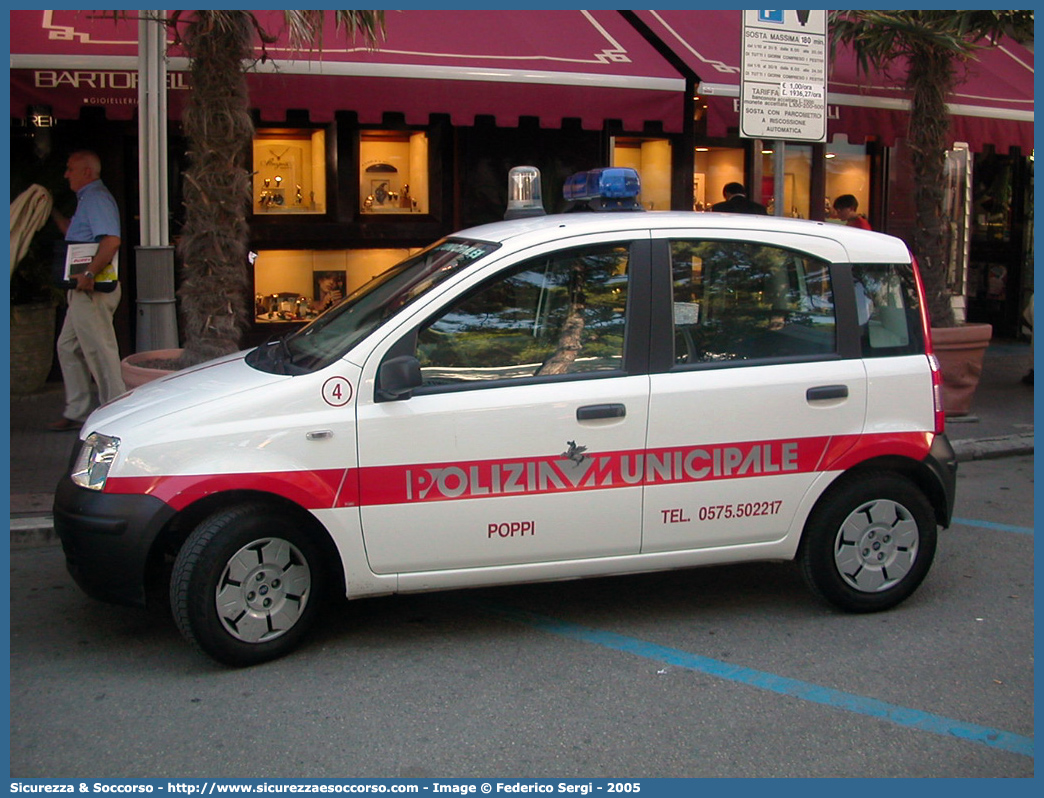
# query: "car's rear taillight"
(937, 399)
(933, 361)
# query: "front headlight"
(93, 463)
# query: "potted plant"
(142, 367)
(931, 46)
(960, 350)
(34, 307)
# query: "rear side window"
(887, 309)
(736, 301)
(558, 314)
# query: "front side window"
(335, 332)
(561, 313)
(740, 300)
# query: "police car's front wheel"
(246, 584)
(869, 542)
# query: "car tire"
(869, 542)
(246, 585)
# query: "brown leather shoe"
(64, 425)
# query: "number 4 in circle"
(337, 391)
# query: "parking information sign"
(783, 89)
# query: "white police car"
(544, 398)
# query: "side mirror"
(397, 377)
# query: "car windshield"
(335, 332)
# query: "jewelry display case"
(296, 285)
(393, 172)
(289, 172)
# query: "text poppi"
(511, 529)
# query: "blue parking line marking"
(806, 691)
(1022, 530)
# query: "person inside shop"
(846, 207)
(736, 201)
(87, 346)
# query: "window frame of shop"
(299, 125)
(343, 226)
(418, 228)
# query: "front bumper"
(107, 539)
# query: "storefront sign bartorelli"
(783, 90)
(102, 87)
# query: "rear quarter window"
(888, 309)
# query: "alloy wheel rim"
(263, 590)
(876, 546)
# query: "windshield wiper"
(286, 348)
(275, 354)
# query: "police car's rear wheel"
(245, 584)
(869, 542)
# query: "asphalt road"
(727, 671)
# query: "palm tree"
(930, 46)
(216, 299)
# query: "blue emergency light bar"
(614, 182)
(607, 188)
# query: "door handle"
(822, 392)
(588, 412)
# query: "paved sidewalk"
(1000, 424)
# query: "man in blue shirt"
(87, 346)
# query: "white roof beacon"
(524, 195)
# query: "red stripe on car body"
(451, 481)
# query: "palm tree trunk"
(930, 80)
(213, 246)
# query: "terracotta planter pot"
(32, 345)
(960, 351)
(143, 367)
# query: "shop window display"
(290, 172)
(297, 285)
(393, 172)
